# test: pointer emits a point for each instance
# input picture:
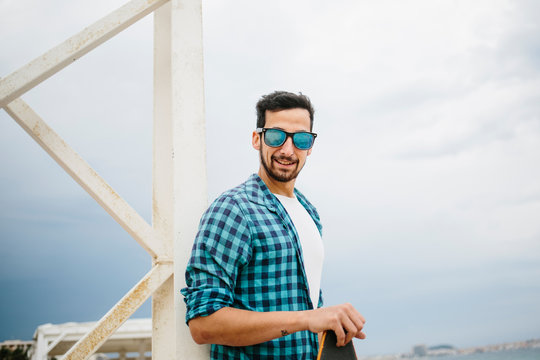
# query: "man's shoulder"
(303, 199)
(250, 191)
(238, 192)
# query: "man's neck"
(277, 187)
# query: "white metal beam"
(163, 319)
(108, 324)
(189, 152)
(24, 79)
(83, 174)
(56, 341)
(179, 164)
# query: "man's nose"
(288, 147)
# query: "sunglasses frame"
(287, 135)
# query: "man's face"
(285, 162)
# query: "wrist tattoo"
(284, 332)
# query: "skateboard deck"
(329, 351)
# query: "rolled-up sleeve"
(221, 249)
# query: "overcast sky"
(425, 171)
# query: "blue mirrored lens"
(274, 137)
(303, 141)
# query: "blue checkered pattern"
(247, 255)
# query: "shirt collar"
(258, 192)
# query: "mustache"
(292, 159)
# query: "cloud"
(425, 169)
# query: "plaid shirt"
(247, 255)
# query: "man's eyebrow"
(278, 128)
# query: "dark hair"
(282, 100)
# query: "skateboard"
(329, 351)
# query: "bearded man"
(253, 279)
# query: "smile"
(285, 162)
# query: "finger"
(350, 335)
(350, 330)
(349, 327)
(356, 327)
(362, 318)
(360, 335)
(356, 317)
(359, 320)
(340, 335)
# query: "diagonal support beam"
(83, 174)
(56, 342)
(54, 60)
(109, 323)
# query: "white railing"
(179, 164)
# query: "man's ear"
(256, 141)
(309, 151)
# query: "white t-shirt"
(311, 242)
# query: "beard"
(277, 174)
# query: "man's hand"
(344, 319)
(235, 327)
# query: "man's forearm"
(235, 327)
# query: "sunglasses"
(303, 140)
